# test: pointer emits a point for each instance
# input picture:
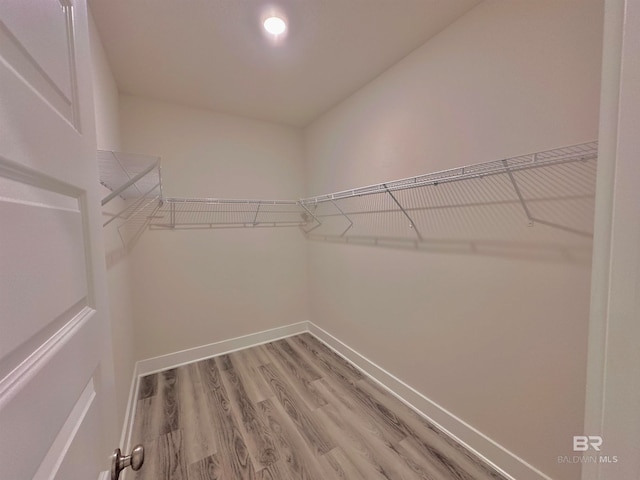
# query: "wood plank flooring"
(288, 410)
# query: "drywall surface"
(195, 287)
(105, 95)
(498, 340)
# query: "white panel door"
(56, 375)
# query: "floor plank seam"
(289, 409)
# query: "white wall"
(105, 94)
(499, 342)
(197, 287)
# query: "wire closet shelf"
(135, 179)
(554, 189)
(195, 213)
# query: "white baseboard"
(490, 451)
(484, 447)
(176, 359)
(183, 357)
(129, 414)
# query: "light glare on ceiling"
(275, 25)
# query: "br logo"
(582, 443)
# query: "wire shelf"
(135, 182)
(191, 213)
(484, 204)
(128, 175)
(584, 151)
(497, 201)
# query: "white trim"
(39, 358)
(484, 447)
(129, 414)
(176, 359)
(613, 382)
(60, 447)
(488, 450)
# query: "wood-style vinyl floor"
(288, 410)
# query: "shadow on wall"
(133, 189)
(553, 253)
(131, 224)
(535, 207)
(536, 213)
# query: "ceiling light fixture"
(275, 25)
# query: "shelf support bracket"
(345, 216)
(411, 224)
(306, 232)
(255, 218)
(133, 180)
(172, 215)
(530, 219)
(137, 203)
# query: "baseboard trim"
(129, 414)
(183, 357)
(176, 359)
(484, 447)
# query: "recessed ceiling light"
(275, 25)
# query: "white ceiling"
(213, 53)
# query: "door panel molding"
(25, 370)
(41, 283)
(17, 172)
(44, 60)
(68, 438)
(38, 397)
(47, 287)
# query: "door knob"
(120, 462)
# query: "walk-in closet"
(319, 239)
